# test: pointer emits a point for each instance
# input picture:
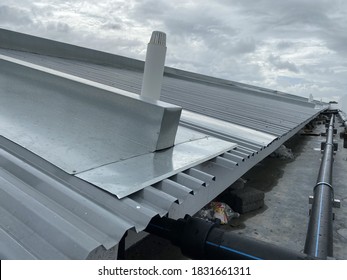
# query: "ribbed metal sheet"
(49, 214)
(255, 109)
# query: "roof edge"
(28, 43)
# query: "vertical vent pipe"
(154, 66)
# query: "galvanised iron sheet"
(129, 176)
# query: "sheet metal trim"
(151, 168)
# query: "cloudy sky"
(296, 46)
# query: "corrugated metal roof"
(50, 214)
(95, 132)
(271, 113)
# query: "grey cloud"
(211, 33)
(152, 9)
(295, 13)
(290, 80)
(231, 46)
(223, 38)
(151, 12)
(27, 18)
(288, 18)
(295, 8)
(112, 26)
(284, 45)
(190, 23)
(245, 45)
(14, 15)
(58, 27)
(336, 40)
(282, 64)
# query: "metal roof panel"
(128, 176)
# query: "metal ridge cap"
(18, 41)
(86, 82)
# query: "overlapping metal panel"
(128, 176)
(49, 214)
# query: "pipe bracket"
(337, 203)
(325, 184)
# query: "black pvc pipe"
(200, 239)
(228, 245)
(319, 238)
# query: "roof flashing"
(78, 124)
